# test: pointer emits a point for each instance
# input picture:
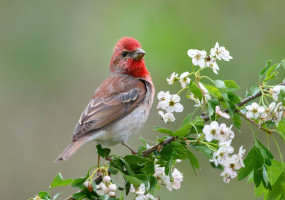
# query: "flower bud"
(112, 188)
(112, 194)
(88, 185)
(107, 179)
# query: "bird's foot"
(132, 150)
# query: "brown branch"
(152, 149)
(252, 121)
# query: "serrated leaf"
(193, 160)
(162, 130)
(186, 120)
(79, 195)
(133, 180)
(196, 90)
(212, 108)
(182, 131)
(103, 152)
(263, 150)
(213, 91)
(278, 189)
(58, 181)
(281, 129)
(237, 120)
(264, 71)
(253, 161)
(44, 195)
(144, 142)
(205, 150)
(231, 85)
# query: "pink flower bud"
(107, 179)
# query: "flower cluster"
(106, 187)
(170, 103)
(224, 136)
(140, 192)
(274, 112)
(183, 79)
(200, 58)
(164, 180)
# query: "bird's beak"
(138, 54)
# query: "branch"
(152, 149)
(252, 121)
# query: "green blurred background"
(54, 54)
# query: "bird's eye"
(124, 53)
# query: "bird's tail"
(71, 149)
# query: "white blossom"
(173, 77)
(145, 197)
(278, 113)
(198, 57)
(275, 92)
(220, 113)
(254, 110)
(268, 113)
(211, 62)
(184, 80)
(112, 187)
(177, 179)
(220, 53)
(138, 190)
(112, 194)
(221, 154)
(226, 134)
(228, 174)
(211, 131)
(101, 189)
(167, 117)
(107, 179)
(168, 102)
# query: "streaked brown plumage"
(121, 104)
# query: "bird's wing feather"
(115, 98)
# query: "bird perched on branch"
(121, 104)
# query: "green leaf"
(78, 183)
(281, 129)
(79, 195)
(152, 184)
(253, 161)
(231, 104)
(133, 180)
(220, 84)
(205, 150)
(237, 120)
(58, 181)
(231, 85)
(254, 90)
(186, 120)
(103, 152)
(140, 165)
(263, 150)
(44, 195)
(212, 108)
(271, 73)
(264, 71)
(116, 164)
(278, 189)
(193, 160)
(272, 76)
(281, 95)
(196, 90)
(144, 142)
(162, 130)
(182, 131)
(283, 63)
(213, 91)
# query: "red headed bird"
(120, 106)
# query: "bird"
(120, 106)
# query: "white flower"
(169, 102)
(226, 134)
(268, 113)
(163, 98)
(220, 113)
(112, 194)
(145, 197)
(184, 80)
(177, 179)
(112, 187)
(233, 162)
(241, 155)
(206, 92)
(220, 53)
(198, 57)
(211, 62)
(138, 190)
(254, 110)
(162, 178)
(101, 189)
(167, 117)
(276, 92)
(173, 77)
(278, 113)
(107, 179)
(220, 156)
(228, 174)
(211, 131)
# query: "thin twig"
(253, 122)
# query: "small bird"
(121, 104)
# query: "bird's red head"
(128, 58)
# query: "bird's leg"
(132, 150)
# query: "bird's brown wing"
(117, 96)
